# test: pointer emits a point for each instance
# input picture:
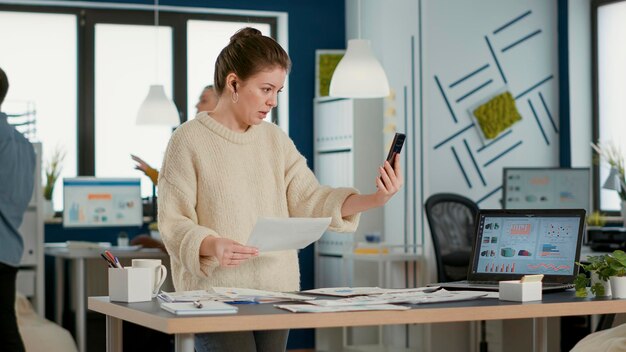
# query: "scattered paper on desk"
(449, 296)
(346, 291)
(207, 308)
(189, 296)
(307, 308)
(361, 291)
(279, 234)
(259, 295)
(491, 294)
(409, 297)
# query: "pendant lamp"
(613, 182)
(359, 74)
(157, 108)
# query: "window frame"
(596, 181)
(87, 18)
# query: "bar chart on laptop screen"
(518, 245)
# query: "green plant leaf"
(597, 289)
(580, 283)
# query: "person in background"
(227, 168)
(17, 179)
(206, 102)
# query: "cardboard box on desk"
(518, 291)
(130, 284)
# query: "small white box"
(517, 291)
(130, 284)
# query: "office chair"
(451, 218)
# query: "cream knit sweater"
(218, 182)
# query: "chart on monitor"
(98, 202)
(546, 188)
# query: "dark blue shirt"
(17, 172)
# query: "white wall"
(455, 45)
(450, 43)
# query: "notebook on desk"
(512, 243)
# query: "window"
(42, 77)
(125, 66)
(205, 40)
(89, 74)
(609, 90)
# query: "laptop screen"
(512, 243)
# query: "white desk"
(267, 317)
(78, 257)
(384, 261)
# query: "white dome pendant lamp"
(359, 74)
(157, 108)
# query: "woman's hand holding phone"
(390, 180)
(388, 183)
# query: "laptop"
(516, 242)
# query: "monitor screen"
(97, 202)
(527, 244)
(546, 188)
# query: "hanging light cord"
(156, 40)
(358, 18)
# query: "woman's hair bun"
(245, 33)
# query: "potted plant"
(599, 272)
(617, 272)
(53, 169)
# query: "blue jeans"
(244, 341)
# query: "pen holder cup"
(130, 284)
(517, 291)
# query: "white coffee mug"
(160, 271)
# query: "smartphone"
(396, 147)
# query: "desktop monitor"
(99, 202)
(546, 188)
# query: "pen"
(111, 265)
(197, 304)
(118, 264)
(114, 260)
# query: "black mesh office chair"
(451, 219)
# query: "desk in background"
(266, 316)
(78, 258)
(606, 239)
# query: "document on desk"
(307, 308)
(279, 234)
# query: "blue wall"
(313, 25)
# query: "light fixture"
(359, 74)
(614, 181)
(157, 108)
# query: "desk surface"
(266, 316)
(77, 253)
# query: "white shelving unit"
(30, 277)
(348, 148)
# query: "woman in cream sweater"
(228, 167)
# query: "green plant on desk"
(605, 266)
(617, 263)
(597, 264)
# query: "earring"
(234, 97)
